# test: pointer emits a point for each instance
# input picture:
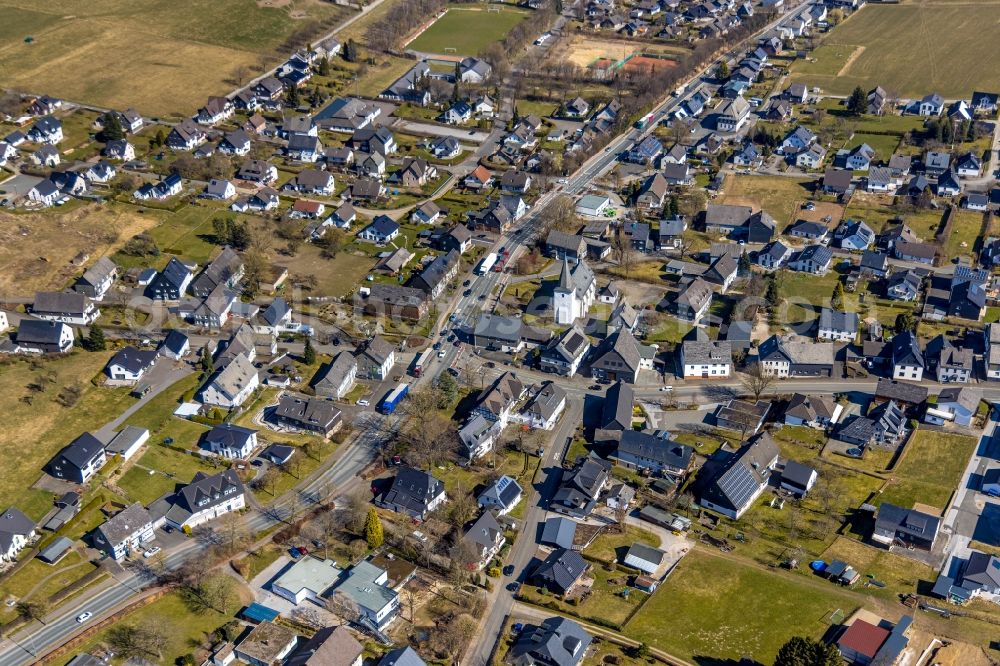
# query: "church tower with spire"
(564, 297)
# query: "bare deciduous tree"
(755, 380)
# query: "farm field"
(721, 607)
(36, 248)
(468, 31)
(583, 50)
(178, 52)
(913, 49)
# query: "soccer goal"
(450, 49)
(493, 10)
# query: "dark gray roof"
(484, 531)
(124, 524)
(402, 657)
(412, 488)
(133, 360)
(559, 531)
(743, 474)
(836, 320)
(13, 523)
(796, 474)
(558, 641)
(227, 435)
(37, 331)
(655, 447)
(618, 402)
(906, 350)
(205, 492)
(56, 302)
(309, 413)
(82, 450)
(894, 519)
(561, 570)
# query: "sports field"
(912, 49)
(467, 31)
(160, 56)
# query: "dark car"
(482, 297)
(594, 387)
(467, 292)
(453, 372)
(467, 283)
(508, 570)
(436, 346)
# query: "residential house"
(854, 235)
(35, 336)
(797, 478)
(412, 492)
(64, 306)
(336, 378)
(837, 326)
(47, 129)
(216, 110)
(313, 415)
(564, 354)
(704, 360)
(186, 136)
(307, 579)
(222, 190)
(957, 405)
(561, 572)
(653, 453)
(742, 478)
(225, 270)
(837, 181)
(266, 644)
(125, 533)
(375, 358)
(230, 441)
(811, 157)
(257, 171)
(950, 363)
(774, 255)
(381, 230)
(16, 529)
(812, 411)
(903, 286)
(621, 357)
(128, 365)
(930, 105)
(236, 143)
(96, 280)
(232, 385)
(557, 641)
(501, 496)
(786, 358)
(796, 141)
(119, 149)
(544, 409)
(484, 538)
(907, 358)
(693, 300)
(205, 498)
(895, 525)
(330, 646)
(815, 259)
(580, 487)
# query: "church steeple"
(565, 277)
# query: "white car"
(441, 354)
(152, 551)
(666, 388)
(363, 403)
(84, 616)
(420, 536)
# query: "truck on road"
(487, 263)
(393, 398)
(419, 362)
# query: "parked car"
(152, 551)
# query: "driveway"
(473, 136)
(161, 376)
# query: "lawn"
(781, 197)
(612, 545)
(930, 470)
(883, 144)
(965, 228)
(605, 602)
(33, 433)
(467, 32)
(712, 609)
(181, 626)
(925, 223)
(911, 49)
(180, 51)
(42, 580)
(170, 469)
(900, 574)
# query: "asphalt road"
(524, 548)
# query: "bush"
(493, 572)
(187, 530)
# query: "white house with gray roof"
(544, 409)
(64, 306)
(126, 532)
(337, 378)
(231, 386)
(706, 360)
(16, 529)
(368, 587)
(502, 496)
(205, 498)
